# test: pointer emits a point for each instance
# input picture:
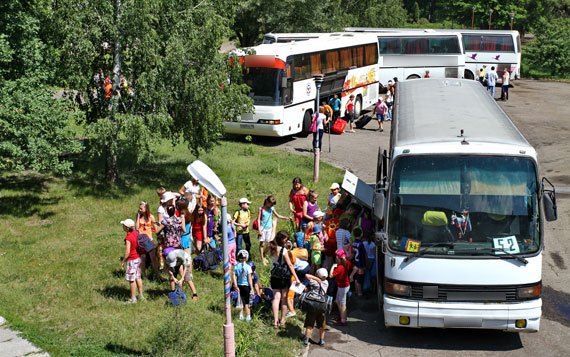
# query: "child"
(318, 283)
(145, 224)
(173, 228)
(231, 240)
(179, 261)
(359, 257)
(309, 208)
(265, 223)
(257, 287)
(199, 221)
(316, 248)
(185, 239)
(308, 232)
(166, 198)
(370, 247)
(291, 292)
(333, 199)
(297, 198)
(343, 236)
(133, 273)
(341, 273)
(241, 220)
(243, 282)
(350, 214)
(212, 214)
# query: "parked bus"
(463, 210)
(270, 38)
(409, 53)
(283, 89)
(501, 49)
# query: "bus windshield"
(264, 85)
(460, 205)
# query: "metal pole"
(330, 128)
(490, 14)
(512, 16)
(318, 81)
(229, 341)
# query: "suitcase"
(361, 123)
(338, 127)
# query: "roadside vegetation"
(61, 243)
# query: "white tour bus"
(281, 78)
(501, 49)
(463, 211)
(270, 38)
(409, 53)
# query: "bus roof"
(434, 111)
(402, 31)
(323, 42)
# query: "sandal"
(275, 325)
(282, 324)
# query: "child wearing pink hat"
(340, 271)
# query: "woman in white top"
(322, 121)
(191, 189)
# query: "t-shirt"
(340, 275)
(335, 104)
(390, 97)
(491, 78)
(315, 285)
(300, 264)
(342, 238)
(162, 211)
(380, 108)
(369, 246)
(241, 271)
(254, 278)
(172, 231)
(132, 237)
(242, 217)
(359, 254)
(266, 218)
(231, 235)
(320, 121)
(506, 78)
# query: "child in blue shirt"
(359, 257)
(244, 283)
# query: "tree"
(167, 51)
(34, 126)
(416, 12)
(551, 48)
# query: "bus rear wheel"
(357, 107)
(413, 76)
(468, 74)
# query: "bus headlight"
(529, 291)
(397, 289)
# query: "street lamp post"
(207, 178)
(512, 17)
(472, 17)
(490, 15)
(318, 82)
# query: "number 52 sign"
(509, 244)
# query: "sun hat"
(318, 214)
(334, 186)
(129, 223)
(317, 228)
(340, 253)
(322, 273)
(167, 197)
(244, 200)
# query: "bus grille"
(451, 72)
(464, 293)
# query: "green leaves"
(550, 50)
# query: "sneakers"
(248, 318)
(290, 314)
(131, 301)
(306, 341)
(322, 343)
(241, 317)
(141, 297)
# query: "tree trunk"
(111, 166)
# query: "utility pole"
(472, 17)
(318, 82)
(512, 16)
(490, 15)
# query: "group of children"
(330, 248)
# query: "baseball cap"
(340, 253)
(318, 214)
(334, 186)
(322, 273)
(244, 200)
(243, 254)
(167, 197)
(129, 223)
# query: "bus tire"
(380, 277)
(413, 76)
(357, 107)
(468, 74)
(307, 119)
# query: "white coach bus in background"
(281, 78)
(501, 49)
(270, 38)
(463, 210)
(409, 53)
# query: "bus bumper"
(245, 128)
(495, 316)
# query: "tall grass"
(60, 276)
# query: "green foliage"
(34, 131)
(416, 12)
(550, 50)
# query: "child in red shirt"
(341, 273)
(133, 273)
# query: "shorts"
(280, 284)
(315, 317)
(232, 253)
(341, 294)
(244, 292)
(359, 278)
(188, 276)
(350, 116)
(133, 269)
(265, 235)
(380, 117)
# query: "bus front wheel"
(413, 76)
(307, 119)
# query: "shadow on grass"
(26, 205)
(116, 292)
(122, 350)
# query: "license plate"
(246, 126)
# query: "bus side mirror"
(379, 204)
(549, 201)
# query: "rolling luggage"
(338, 127)
(361, 123)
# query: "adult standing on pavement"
(322, 121)
(482, 75)
(389, 100)
(349, 112)
(380, 109)
(505, 86)
(335, 103)
(491, 78)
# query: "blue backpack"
(177, 297)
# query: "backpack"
(177, 297)
(144, 244)
(281, 270)
(208, 259)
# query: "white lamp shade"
(207, 178)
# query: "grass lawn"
(61, 241)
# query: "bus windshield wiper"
(421, 252)
(507, 254)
